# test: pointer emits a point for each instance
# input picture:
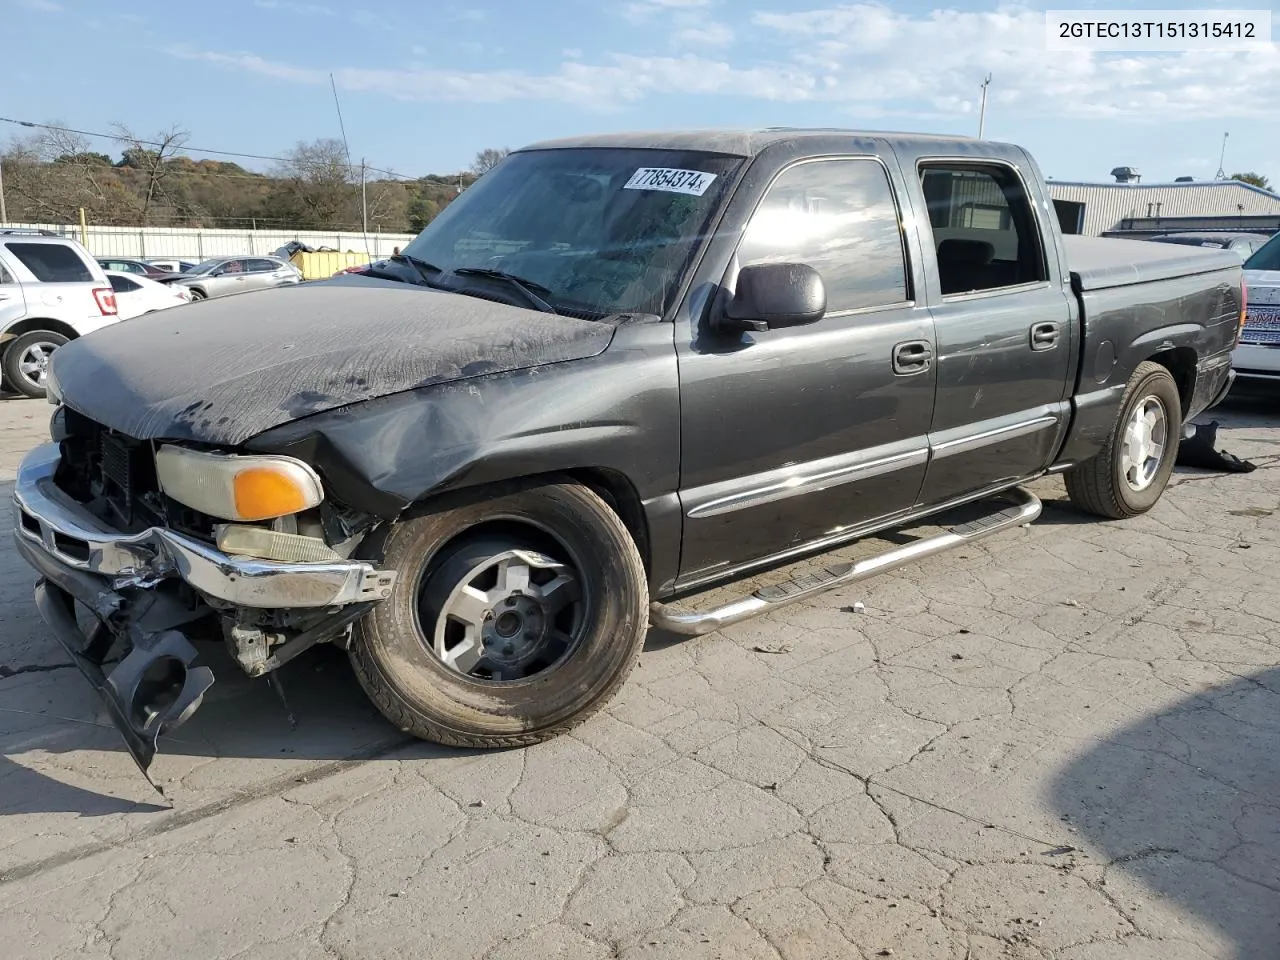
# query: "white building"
(1096, 208)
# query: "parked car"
(138, 267)
(136, 295)
(1242, 244)
(1258, 356)
(226, 275)
(172, 266)
(51, 291)
(619, 370)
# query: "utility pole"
(364, 202)
(982, 110)
(4, 213)
(1222, 159)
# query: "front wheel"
(26, 361)
(197, 295)
(514, 618)
(1129, 474)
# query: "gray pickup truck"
(615, 372)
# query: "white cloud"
(640, 9)
(707, 33)
(295, 7)
(866, 58)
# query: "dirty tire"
(13, 354)
(1098, 485)
(391, 647)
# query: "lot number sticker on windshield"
(693, 182)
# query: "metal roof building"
(1096, 208)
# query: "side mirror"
(774, 295)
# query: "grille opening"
(71, 547)
(29, 523)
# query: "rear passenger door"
(13, 307)
(262, 273)
(1005, 327)
(799, 435)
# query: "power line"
(119, 138)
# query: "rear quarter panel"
(1190, 322)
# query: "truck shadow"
(73, 760)
(1184, 804)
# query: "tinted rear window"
(51, 262)
(1266, 257)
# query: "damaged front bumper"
(157, 685)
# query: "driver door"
(229, 278)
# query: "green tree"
(421, 212)
(1254, 179)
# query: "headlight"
(233, 487)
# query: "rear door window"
(984, 230)
(123, 284)
(263, 266)
(52, 262)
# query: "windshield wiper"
(520, 283)
(424, 269)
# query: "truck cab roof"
(750, 142)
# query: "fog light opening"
(157, 691)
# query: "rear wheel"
(26, 361)
(514, 618)
(197, 294)
(1131, 471)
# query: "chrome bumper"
(48, 520)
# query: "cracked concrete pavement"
(1061, 743)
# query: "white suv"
(51, 291)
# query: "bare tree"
(53, 173)
(487, 159)
(319, 188)
(150, 156)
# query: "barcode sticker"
(670, 180)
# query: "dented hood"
(224, 370)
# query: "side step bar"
(693, 624)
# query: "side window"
(839, 217)
(123, 284)
(5, 275)
(262, 266)
(52, 262)
(984, 232)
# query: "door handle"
(1044, 336)
(912, 357)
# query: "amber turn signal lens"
(236, 487)
(263, 492)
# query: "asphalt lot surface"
(1063, 742)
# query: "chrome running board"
(695, 623)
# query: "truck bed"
(1097, 263)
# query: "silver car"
(1258, 355)
(227, 275)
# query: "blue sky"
(426, 84)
